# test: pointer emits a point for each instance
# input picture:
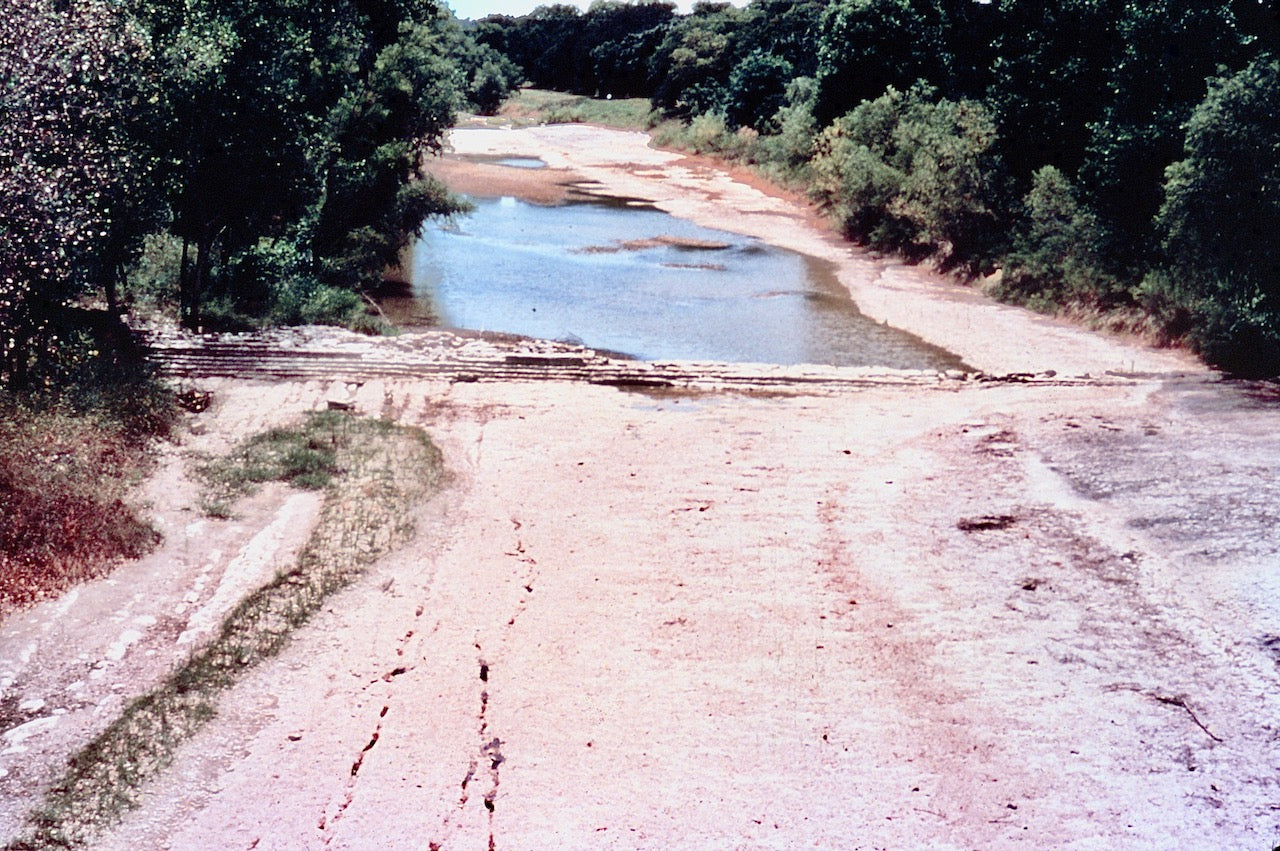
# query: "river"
(623, 276)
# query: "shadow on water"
(619, 275)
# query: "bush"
(910, 173)
(1221, 213)
(152, 281)
(1056, 256)
(788, 150)
(1232, 323)
(306, 301)
(69, 457)
(1220, 286)
(709, 134)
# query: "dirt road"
(961, 615)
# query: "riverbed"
(975, 614)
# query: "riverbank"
(989, 336)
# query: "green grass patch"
(380, 471)
(305, 456)
(539, 106)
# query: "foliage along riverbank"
(1114, 161)
(252, 159)
(233, 163)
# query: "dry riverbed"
(960, 615)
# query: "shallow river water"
(631, 279)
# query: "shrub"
(1055, 258)
(152, 281)
(911, 173)
(1221, 211)
(69, 457)
(788, 150)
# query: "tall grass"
(538, 106)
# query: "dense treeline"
(1114, 159)
(251, 157)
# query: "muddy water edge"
(542, 255)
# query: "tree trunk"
(204, 249)
(184, 285)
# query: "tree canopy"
(279, 141)
(1095, 150)
(1087, 147)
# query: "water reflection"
(645, 283)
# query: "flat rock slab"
(717, 620)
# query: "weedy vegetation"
(373, 473)
(69, 463)
(305, 456)
(538, 106)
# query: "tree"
(236, 129)
(1050, 80)
(68, 162)
(787, 29)
(374, 195)
(757, 89)
(294, 135)
(865, 46)
(1169, 50)
(488, 77)
(1259, 20)
(1221, 216)
(549, 52)
(619, 38)
(693, 64)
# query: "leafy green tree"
(788, 151)
(787, 29)
(386, 124)
(691, 68)
(1221, 218)
(756, 90)
(1259, 21)
(619, 38)
(235, 128)
(295, 133)
(1050, 79)
(1170, 49)
(866, 46)
(76, 190)
(971, 30)
(488, 76)
(549, 50)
